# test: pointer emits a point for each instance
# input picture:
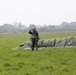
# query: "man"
(34, 38)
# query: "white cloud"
(37, 11)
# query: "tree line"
(21, 28)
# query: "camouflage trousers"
(34, 44)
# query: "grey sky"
(37, 11)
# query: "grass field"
(50, 61)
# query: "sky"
(38, 12)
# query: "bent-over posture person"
(34, 38)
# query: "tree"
(32, 26)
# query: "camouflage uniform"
(34, 38)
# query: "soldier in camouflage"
(34, 38)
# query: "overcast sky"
(37, 11)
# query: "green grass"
(48, 61)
